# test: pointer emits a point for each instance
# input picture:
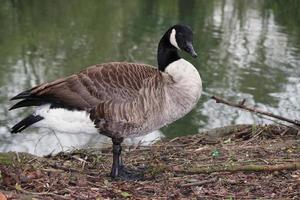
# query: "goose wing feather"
(135, 115)
(94, 85)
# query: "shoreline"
(240, 161)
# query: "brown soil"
(240, 162)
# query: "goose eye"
(180, 35)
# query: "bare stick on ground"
(199, 183)
(244, 168)
(254, 110)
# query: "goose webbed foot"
(125, 173)
(119, 171)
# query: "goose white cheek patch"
(173, 39)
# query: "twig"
(79, 159)
(18, 157)
(57, 196)
(56, 166)
(83, 161)
(237, 168)
(254, 136)
(59, 142)
(38, 141)
(254, 110)
(199, 183)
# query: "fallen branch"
(245, 168)
(199, 183)
(254, 110)
(38, 194)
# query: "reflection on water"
(247, 49)
(43, 142)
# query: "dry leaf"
(2, 196)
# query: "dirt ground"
(238, 162)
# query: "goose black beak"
(190, 49)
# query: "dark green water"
(247, 49)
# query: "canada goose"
(119, 99)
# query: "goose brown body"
(122, 99)
(119, 99)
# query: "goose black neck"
(166, 53)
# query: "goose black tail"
(31, 119)
(27, 103)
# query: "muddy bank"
(235, 162)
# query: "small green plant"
(215, 153)
(125, 194)
(253, 128)
(230, 198)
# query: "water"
(247, 49)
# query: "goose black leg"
(121, 164)
(117, 160)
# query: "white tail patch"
(63, 120)
(173, 39)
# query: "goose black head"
(178, 37)
(181, 37)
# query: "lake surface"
(247, 49)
